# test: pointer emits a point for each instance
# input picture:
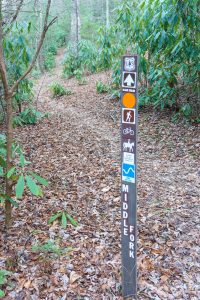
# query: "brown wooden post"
(129, 120)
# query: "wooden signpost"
(129, 120)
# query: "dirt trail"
(77, 149)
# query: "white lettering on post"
(126, 197)
(125, 215)
(125, 231)
(125, 223)
(131, 243)
(131, 254)
(125, 206)
(132, 238)
(125, 188)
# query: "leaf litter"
(78, 150)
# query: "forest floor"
(78, 150)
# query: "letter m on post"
(125, 188)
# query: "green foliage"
(49, 61)
(70, 63)
(3, 279)
(52, 49)
(165, 35)
(58, 90)
(102, 88)
(24, 93)
(61, 37)
(87, 56)
(64, 217)
(105, 48)
(115, 94)
(95, 56)
(50, 247)
(86, 59)
(18, 174)
(17, 55)
(92, 56)
(16, 50)
(28, 117)
(79, 76)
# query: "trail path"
(77, 149)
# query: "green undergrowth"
(58, 90)
(29, 116)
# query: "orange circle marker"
(129, 100)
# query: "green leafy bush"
(24, 93)
(107, 48)
(71, 63)
(52, 49)
(79, 76)
(29, 116)
(50, 247)
(49, 62)
(3, 278)
(17, 53)
(95, 56)
(165, 35)
(102, 88)
(86, 59)
(58, 90)
(18, 174)
(64, 218)
(88, 56)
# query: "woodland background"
(60, 72)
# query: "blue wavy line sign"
(128, 173)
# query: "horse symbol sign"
(128, 146)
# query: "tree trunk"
(9, 126)
(38, 13)
(107, 15)
(75, 25)
(9, 136)
(9, 92)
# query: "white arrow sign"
(129, 79)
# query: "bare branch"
(42, 37)
(2, 62)
(14, 17)
(17, 11)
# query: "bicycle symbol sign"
(128, 131)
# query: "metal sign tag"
(129, 120)
(129, 64)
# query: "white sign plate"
(129, 158)
(129, 64)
